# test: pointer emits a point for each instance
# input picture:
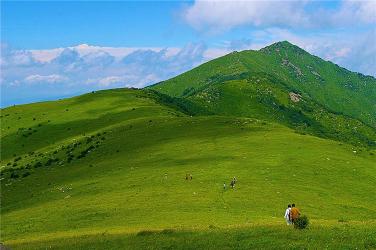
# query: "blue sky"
(57, 49)
(42, 25)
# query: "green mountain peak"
(283, 46)
(333, 102)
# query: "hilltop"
(107, 169)
(285, 84)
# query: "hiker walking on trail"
(288, 215)
(294, 213)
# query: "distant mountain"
(283, 83)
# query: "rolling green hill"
(106, 170)
(283, 83)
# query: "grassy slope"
(335, 103)
(331, 86)
(342, 236)
(134, 178)
(247, 98)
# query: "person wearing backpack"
(294, 213)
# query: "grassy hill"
(284, 84)
(108, 169)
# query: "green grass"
(257, 83)
(343, 236)
(133, 178)
(261, 100)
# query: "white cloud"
(16, 57)
(221, 15)
(356, 11)
(111, 80)
(46, 55)
(98, 58)
(212, 53)
(54, 78)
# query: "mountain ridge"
(271, 76)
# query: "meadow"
(107, 170)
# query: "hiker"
(232, 184)
(224, 186)
(294, 213)
(234, 179)
(186, 177)
(288, 214)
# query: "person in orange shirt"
(294, 213)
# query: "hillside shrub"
(14, 175)
(145, 233)
(301, 222)
(167, 231)
(25, 174)
(70, 158)
(50, 161)
(38, 164)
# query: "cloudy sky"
(51, 50)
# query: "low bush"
(14, 175)
(49, 162)
(167, 231)
(25, 174)
(38, 164)
(301, 222)
(145, 233)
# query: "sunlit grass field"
(124, 185)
